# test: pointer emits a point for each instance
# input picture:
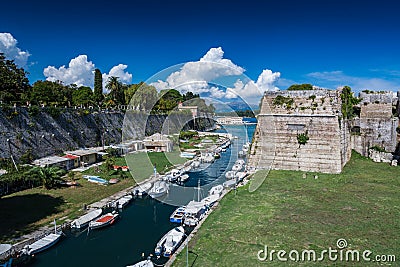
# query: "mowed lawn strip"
(361, 205)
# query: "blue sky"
(326, 43)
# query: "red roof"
(71, 156)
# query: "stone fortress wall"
(317, 114)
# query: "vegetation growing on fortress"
(303, 138)
(348, 103)
(299, 87)
(281, 100)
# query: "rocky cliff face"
(22, 130)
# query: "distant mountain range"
(235, 106)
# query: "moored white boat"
(105, 220)
(237, 167)
(177, 215)
(84, 220)
(145, 263)
(210, 200)
(123, 201)
(159, 189)
(240, 175)
(170, 241)
(188, 155)
(183, 178)
(195, 211)
(216, 190)
(230, 174)
(143, 189)
(195, 164)
(42, 244)
(173, 175)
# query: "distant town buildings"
(193, 109)
(158, 143)
(229, 120)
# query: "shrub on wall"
(302, 138)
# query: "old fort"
(310, 130)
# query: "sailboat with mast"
(195, 210)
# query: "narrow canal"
(141, 224)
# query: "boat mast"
(198, 190)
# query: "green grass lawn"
(27, 210)
(141, 164)
(361, 205)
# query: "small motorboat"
(240, 162)
(183, 178)
(237, 167)
(43, 243)
(84, 220)
(170, 241)
(145, 263)
(240, 175)
(210, 200)
(105, 220)
(123, 201)
(230, 174)
(216, 190)
(159, 189)
(143, 189)
(195, 164)
(177, 215)
(173, 175)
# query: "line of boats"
(189, 215)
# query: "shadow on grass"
(19, 213)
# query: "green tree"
(116, 90)
(13, 80)
(168, 100)
(145, 97)
(304, 86)
(189, 95)
(98, 87)
(50, 177)
(348, 102)
(82, 96)
(47, 93)
(130, 92)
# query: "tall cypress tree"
(98, 87)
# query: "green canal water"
(141, 224)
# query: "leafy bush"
(298, 87)
(280, 100)
(303, 138)
(378, 148)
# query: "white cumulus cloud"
(196, 77)
(251, 90)
(80, 71)
(8, 46)
(118, 71)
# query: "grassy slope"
(288, 212)
(25, 211)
